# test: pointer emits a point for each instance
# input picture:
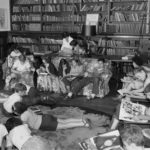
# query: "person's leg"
(115, 119)
(78, 86)
(33, 92)
(71, 123)
(43, 99)
(95, 89)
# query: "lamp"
(88, 31)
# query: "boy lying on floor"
(47, 121)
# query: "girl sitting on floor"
(20, 137)
(46, 121)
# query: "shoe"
(87, 123)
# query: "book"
(128, 110)
(106, 141)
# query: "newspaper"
(128, 110)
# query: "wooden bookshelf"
(39, 24)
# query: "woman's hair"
(20, 107)
(65, 34)
(132, 134)
(19, 87)
(137, 60)
(74, 43)
(60, 68)
(12, 123)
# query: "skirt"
(49, 123)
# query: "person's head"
(75, 62)
(101, 62)
(46, 60)
(20, 88)
(12, 123)
(132, 137)
(74, 43)
(65, 35)
(19, 108)
(22, 58)
(31, 57)
(137, 61)
(140, 74)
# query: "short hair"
(65, 34)
(132, 134)
(101, 59)
(137, 60)
(12, 123)
(20, 107)
(19, 87)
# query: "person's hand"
(136, 118)
(148, 95)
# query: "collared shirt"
(32, 119)
(12, 99)
(19, 135)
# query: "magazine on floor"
(128, 110)
(105, 141)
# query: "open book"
(105, 141)
(129, 109)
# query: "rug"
(68, 139)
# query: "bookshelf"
(122, 28)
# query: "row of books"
(50, 41)
(129, 28)
(36, 8)
(113, 43)
(62, 28)
(94, 7)
(42, 40)
(60, 8)
(26, 27)
(24, 40)
(87, 1)
(60, 1)
(68, 17)
(43, 49)
(128, 17)
(127, 0)
(130, 6)
(117, 51)
(31, 17)
(27, 1)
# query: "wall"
(4, 15)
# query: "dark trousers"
(79, 85)
(40, 99)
